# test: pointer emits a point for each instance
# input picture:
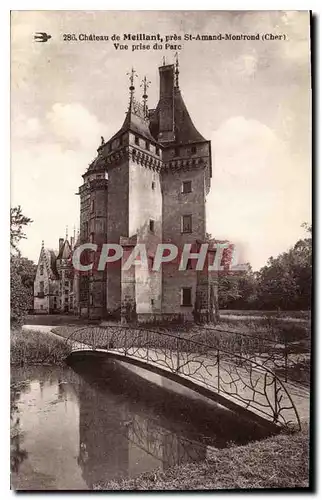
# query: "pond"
(99, 420)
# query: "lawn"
(281, 461)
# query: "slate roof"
(185, 131)
(51, 258)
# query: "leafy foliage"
(19, 296)
(283, 283)
(17, 223)
(23, 270)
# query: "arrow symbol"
(41, 37)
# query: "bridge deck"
(247, 391)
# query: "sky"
(250, 98)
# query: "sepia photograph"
(160, 250)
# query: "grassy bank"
(278, 462)
(32, 347)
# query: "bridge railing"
(279, 353)
(242, 380)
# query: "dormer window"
(151, 225)
(147, 145)
(136, 140)
(153, 185)
(176, 151)
(193, 149)
(41, 269)
(157, 151)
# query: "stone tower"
(186, 174)
(147, 185)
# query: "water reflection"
(119, 440)
(98, 422)
(17, 453)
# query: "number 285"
(69, 37)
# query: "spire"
(176, 80)
(132, 74)
(145, 84)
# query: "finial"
(145, 84)
(176, 81)
(102, 141)
(74, 231)
(132, 74)
(163, 60)
(66, 232)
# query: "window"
(91, 300)
(153, 185)
(176, 151)
(186, 296)
(92, 206)
(147, 145)
(186, 225)
(41, 286)
(151, 225)
(91, 238)
(41, 269)
(152, 302)
(186, 187)
(41, 307)
(193, 149)
(157, 151)
(137, 141)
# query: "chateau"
(147, 184)
(56, 285)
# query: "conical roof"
(135, 121)
(185, 131)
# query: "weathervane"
(132, 74)
(145, 84)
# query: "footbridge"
(236, 382)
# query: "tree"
(22, 270)
(19, 297)
(17, 223)
(285, 282)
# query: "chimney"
(61, 242)
(166, 104)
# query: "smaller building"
(55, 287)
